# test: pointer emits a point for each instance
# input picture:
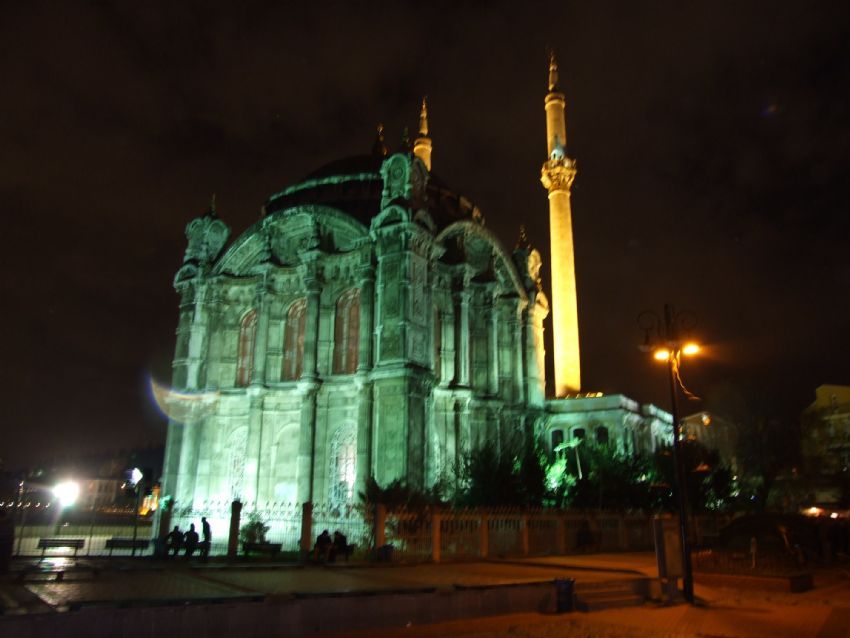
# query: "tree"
(768, 441)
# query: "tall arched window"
(347, 332)
(343, 459)
(293, 340)
(245, 353)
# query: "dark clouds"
(712, 142)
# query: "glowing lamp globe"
(67, 493)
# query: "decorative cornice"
(558, 174)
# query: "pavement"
(824, 612)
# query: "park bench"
(126, 543)
(53, 543)
(272, 549)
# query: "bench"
(126, 543)
(272, 549)
(52, 543)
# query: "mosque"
(369, 324)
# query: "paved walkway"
(820, 613)
(102, 582)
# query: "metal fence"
(92, 528)
(410, 535)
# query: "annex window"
(293, 340)
(347, 332)
(557, 438)
(602, 435)
(578, 433)
(245, 353)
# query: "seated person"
(323, 545)
(173, 541)
(340, 546)
(190, 540)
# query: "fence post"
(233, 538)
(306, 543)
(380, 525)
(484, 536)
(436, 523)
(624, 532)
(524, 534)
(561, 531)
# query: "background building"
(825, 431)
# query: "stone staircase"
(627, 592)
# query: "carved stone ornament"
(206, 237)
(558, 174)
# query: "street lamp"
(667, 342)
(67, 493)
(133, 482)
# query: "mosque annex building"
(369, 324)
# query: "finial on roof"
(405, 140)
(211, 212)
(553, 71)
(379, 148)
(522, 242)
(423, 118)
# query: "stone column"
(305, 469)
(493, 358)
(366, 281)
(253, 446)
(261, 303)
(364, 436)
(462, 337)
(311, 324)
(518, 354)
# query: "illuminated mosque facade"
(369, 324)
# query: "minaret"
(557, 176)
(422, 145)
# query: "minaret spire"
(422, 146)
(557, 176)
(553, 72)
(379, 148)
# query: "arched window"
(602, 435)
(347, 332)
(245, 354)
(293, 340)
(578, 433)
(343, 459)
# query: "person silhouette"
(206, 537)
(190, 540)
(173, 541)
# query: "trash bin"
(564, 594)
(385, 553)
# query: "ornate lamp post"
(666, 340)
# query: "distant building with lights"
(369, 324)
(715, 432)
(825, 431)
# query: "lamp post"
(665, 340)
(134, 479)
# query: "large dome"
(354, 185)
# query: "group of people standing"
(189, 541)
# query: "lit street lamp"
(667, 342)
(67, 493)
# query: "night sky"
(712, 141)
